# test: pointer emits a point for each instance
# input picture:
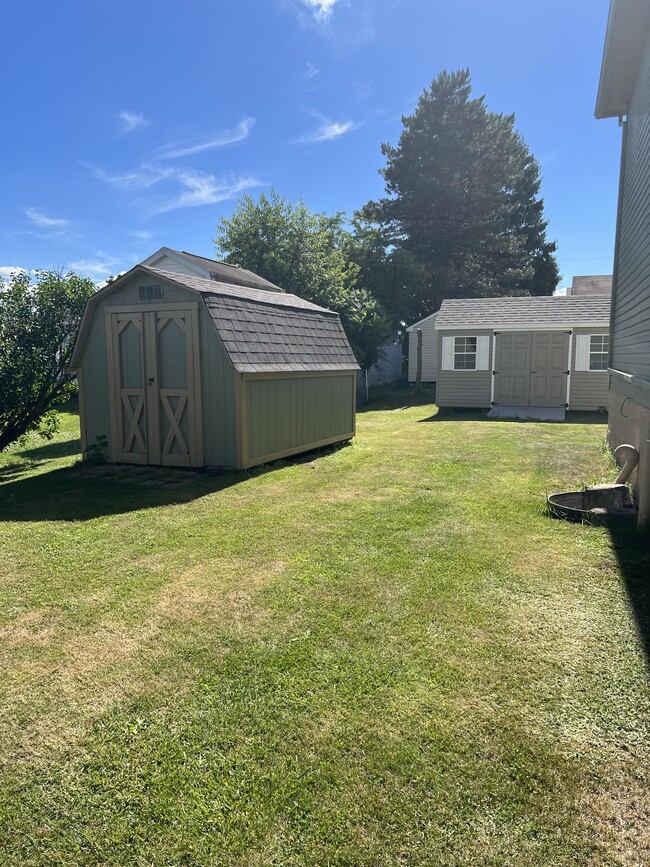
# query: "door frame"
(569, 331)
(149, 363)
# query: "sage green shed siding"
(217, 375)
(95, 401)
(589, 389)
(631, 306)
(466, 388)
(286, 414)
(243, 417)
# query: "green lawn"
(381, 654)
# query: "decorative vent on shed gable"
(150, 293)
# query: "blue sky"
(133, 125)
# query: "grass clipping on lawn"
(380, 654)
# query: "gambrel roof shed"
(181, 369)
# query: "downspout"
(622, 122)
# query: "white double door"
(153, 366)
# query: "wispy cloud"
(142, 235)
(321, 9)
(38, 218)
(364, 89)
(203, 189)
(97, 268)
(217, 140)
(193, 188)
(312, 70)
(131, 121)
(327, 130)
(142, 178)
(56, 227)
(346, 25)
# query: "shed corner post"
(241, 422)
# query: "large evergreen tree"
(463, 201)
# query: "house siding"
(631, 315)
(429, 352)
(466, 388)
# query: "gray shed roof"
(527, 312)
(268, 331)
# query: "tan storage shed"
(180, 370)
(523, 352)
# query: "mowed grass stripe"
(381, 654)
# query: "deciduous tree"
(304, 252)
(38, 323)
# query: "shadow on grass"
(64, 449)
(457, 414)
(632, 549)
(398, 395)
(77, 494)
(82, 493)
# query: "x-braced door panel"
(153, 364)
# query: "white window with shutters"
(468, 352)
(592, 351)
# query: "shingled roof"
(527, 311)
(270, 331)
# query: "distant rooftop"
(591, 284)
(169, 259)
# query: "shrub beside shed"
(179, 370)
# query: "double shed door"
(531, 368)
(153, 366)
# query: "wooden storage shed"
(181, 370)
(523, 352)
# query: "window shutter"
(483, 352)
(583, 342)
(447, 353)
